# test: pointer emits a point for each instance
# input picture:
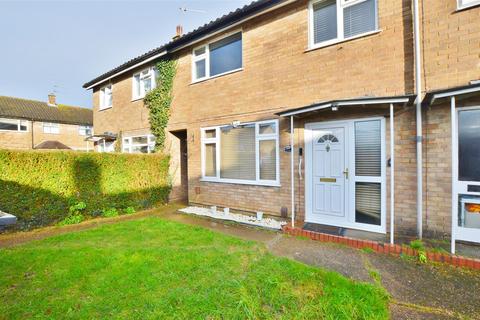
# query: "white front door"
(345, 170)
(329, 159)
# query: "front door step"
(321, 228)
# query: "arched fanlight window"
(327, 137)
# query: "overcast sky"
(60, 45)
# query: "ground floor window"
(244, 153)
(139, 144)
(12, 125)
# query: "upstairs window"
(51, 128)
(217, 58)
(106, 97)
(85, 130)
(13, 125)
(143, 82)
(336, 20)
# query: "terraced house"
(31, 124)
(361, 116)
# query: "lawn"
(156, 269)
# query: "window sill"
(335, 42)
(137, 98)
(254, 183)
(105, 108)
(216, 76)
(467, 6)
(14, 131)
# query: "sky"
(57, 46)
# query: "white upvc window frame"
(19, 124)
(82, 130)
(206, 56)
(103, 102)
(463, 4)
(149, 72)
(258, 137)
(341, 5)
(48, 126)
(128, 147)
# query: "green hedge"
(39, 187)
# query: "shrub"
(45, 187)
(72, 219)
(108, 213)
(129, 210)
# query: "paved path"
(418, 291)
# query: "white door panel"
(329, 148)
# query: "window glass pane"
(140, 140)
(210, 160)
(359, 18)
(324, 21)
(136, 85)
(368, 148)
(140, 149)
(126, 149)
(200, 69)
(237, 153)
(226, 54)
(469, 145)
(267, 128)
(23, 125)
(6, 124)
(147, 85)
(268, 159)
(126, 140)
(210, 133)
(368, 203)
(469, 211)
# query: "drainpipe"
(418, 102)
(292, 169)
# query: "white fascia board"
(454, 93)
(373, 101)
(128, 69)
(315, 108)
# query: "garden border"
(385, 248)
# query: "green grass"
(156, 269)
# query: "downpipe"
(418, 105)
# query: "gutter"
(418, 103)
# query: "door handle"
(346, 173)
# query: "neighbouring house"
(30, 124)
(334, 113)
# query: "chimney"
(52, 100)
(179, 32)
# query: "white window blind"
(106, 97)
(368, 148)
(325, 20)
(368, 203)
(359, 18)
(237, 155)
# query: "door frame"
(461, 187)
(350, 184)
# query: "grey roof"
(210, 27)
(52, 144)
(18, 108)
